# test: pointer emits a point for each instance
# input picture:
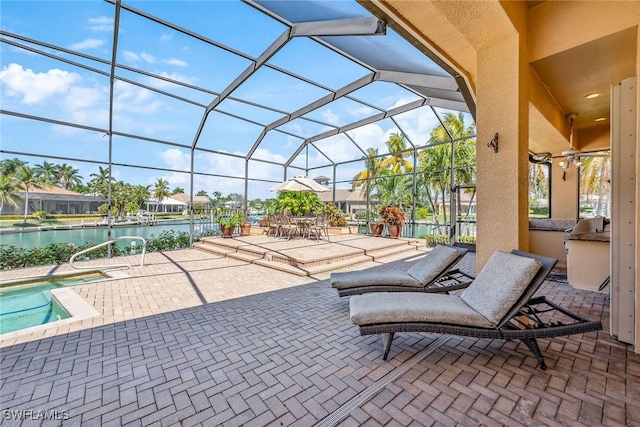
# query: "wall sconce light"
(494, 143)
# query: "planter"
(226, 231)
(245, 229)
(394, 231)
(376, 229)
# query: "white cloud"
(331, 117)
(35, 87)
(130, 56)
(101, 23)
(176, 159)
(147, 57)
(173, 76)
(166, 37)
(87, 44)
(82, 97)
(133, 99)
(175, 61)
(136, 57)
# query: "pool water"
(30, 303)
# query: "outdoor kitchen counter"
(599, 236)
(588, 254)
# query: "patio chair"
(274, 225)
(319, 227)
(430, 274)
(287, 227)
(498, 304)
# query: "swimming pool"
(29, 302)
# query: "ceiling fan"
(571, 155)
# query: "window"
(539, 189)
(595, 185)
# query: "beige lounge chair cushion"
(433, 264)
(355, 279)
(395, 307)
(499, 284)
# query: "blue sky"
(36, 85)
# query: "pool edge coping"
(74, 304)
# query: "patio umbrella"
(300, 183)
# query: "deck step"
(383, 253)
(213, 249)
(316, 269)
(303, 258)
(244, 256)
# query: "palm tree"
(99, 181)
(29, 180)
(595, 178)
(435, 162)
(11, 166)
(538, 182)
(47, 172)
(397, 161)
(68, 176)
(161, 190)
(371, 172)
(141, 194)
(9, 187)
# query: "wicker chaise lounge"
(430, 274)
(498, 304)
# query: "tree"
(11, 166)
(397, 161)
(371, 171)
(141, 195)
(27, 176)
(161, 191)
(67, 176)
(595, 178)
(434, 167)
(100, 181)
(47, 172)
(177, 190)
(202, 193)
(9, 187)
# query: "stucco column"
(503, 108)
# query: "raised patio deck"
(305, 257)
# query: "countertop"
(602, 236)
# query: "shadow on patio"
(291, 356)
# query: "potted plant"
(393, 217)
(245, 226)
(375, 225)
(228, 222)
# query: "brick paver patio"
(196, 339)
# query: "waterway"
(78, 236)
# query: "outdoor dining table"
(303, 223)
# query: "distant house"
(167, 205)
(202, 200)
(350, 201)
(55, 200)
(322, 180)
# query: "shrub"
(435, 239)
(337, 220)
(392, 215)
(40, 215)
(59, 253)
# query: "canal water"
(78, 236)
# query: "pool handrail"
(93, 267)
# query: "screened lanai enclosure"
(233, 97)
